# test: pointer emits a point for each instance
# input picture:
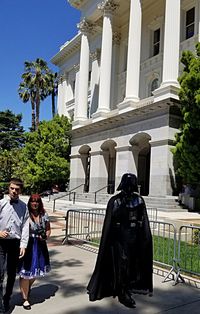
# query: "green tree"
(44, 159)
(9, 164)
(11, 132)
(187, 149)
(11, 140)
(35, 85)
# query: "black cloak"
(125, 253)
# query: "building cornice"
(117, 120)
(67, 49)
(78, 4)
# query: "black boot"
(126, 299)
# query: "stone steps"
(168, 204)
(161, 203)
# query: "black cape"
(103, 282)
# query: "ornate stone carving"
(60, 79)
(108, 6)
(116, 38)
(85, 27)
(95, 55)
(76, 67)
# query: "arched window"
(154, 85)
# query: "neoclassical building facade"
(118, 83)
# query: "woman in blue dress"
(35, 262)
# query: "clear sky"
(31, 29)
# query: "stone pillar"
(134, 48)
(161, 169)
(126, 161)
(94, 87)
(77, 173)
(170, 86)
(115, 63)
(76, 69)
(197, 18)
(61, 103)
(108, 7)
(82, 105)
(98, 171)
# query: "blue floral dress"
(35, 262)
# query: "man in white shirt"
(14, 235)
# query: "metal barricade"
(152, 213)
(164, 246)
(176, 256)
(189, 249)
(84, 225)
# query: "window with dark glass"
(89, 77)
(156, 42)
(73, 87)
(190, 19)
(154, 85)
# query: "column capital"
(95, 55)
(116, 38)
(85, 26)
(60, 78)
(108, 6)
(76, 67)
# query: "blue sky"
(31, 29)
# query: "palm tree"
(26, 94)
(35, 87)
(53, 90)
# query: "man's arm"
(25, 231)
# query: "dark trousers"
(9, 257)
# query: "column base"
(79, 123)
(128, 104)
(100, 115)
(166, 91)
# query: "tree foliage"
(187, 149)
(11, 140)
(44, 160)
(11, 132)
(36, 85)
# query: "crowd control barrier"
(178, 252)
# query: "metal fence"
(83, 225)
(86, 224)
(189, 249)
(179, 252)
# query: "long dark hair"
(36, 197)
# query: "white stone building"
(118, 83)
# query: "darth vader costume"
(124, 264)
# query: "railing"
(82, 224)
(69, 193)
(189, 246)
(95, 193)
(179, 254)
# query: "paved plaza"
(63, 291)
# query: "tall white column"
(170, 85)
(60, 102)
(197, 17)
(94, 86)
(115, 63)
(108, 7)
(171, 42)
(76, 105)
(134, 48)
(82, 105)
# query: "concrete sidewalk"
(63, 290)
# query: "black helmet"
(128, 183)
